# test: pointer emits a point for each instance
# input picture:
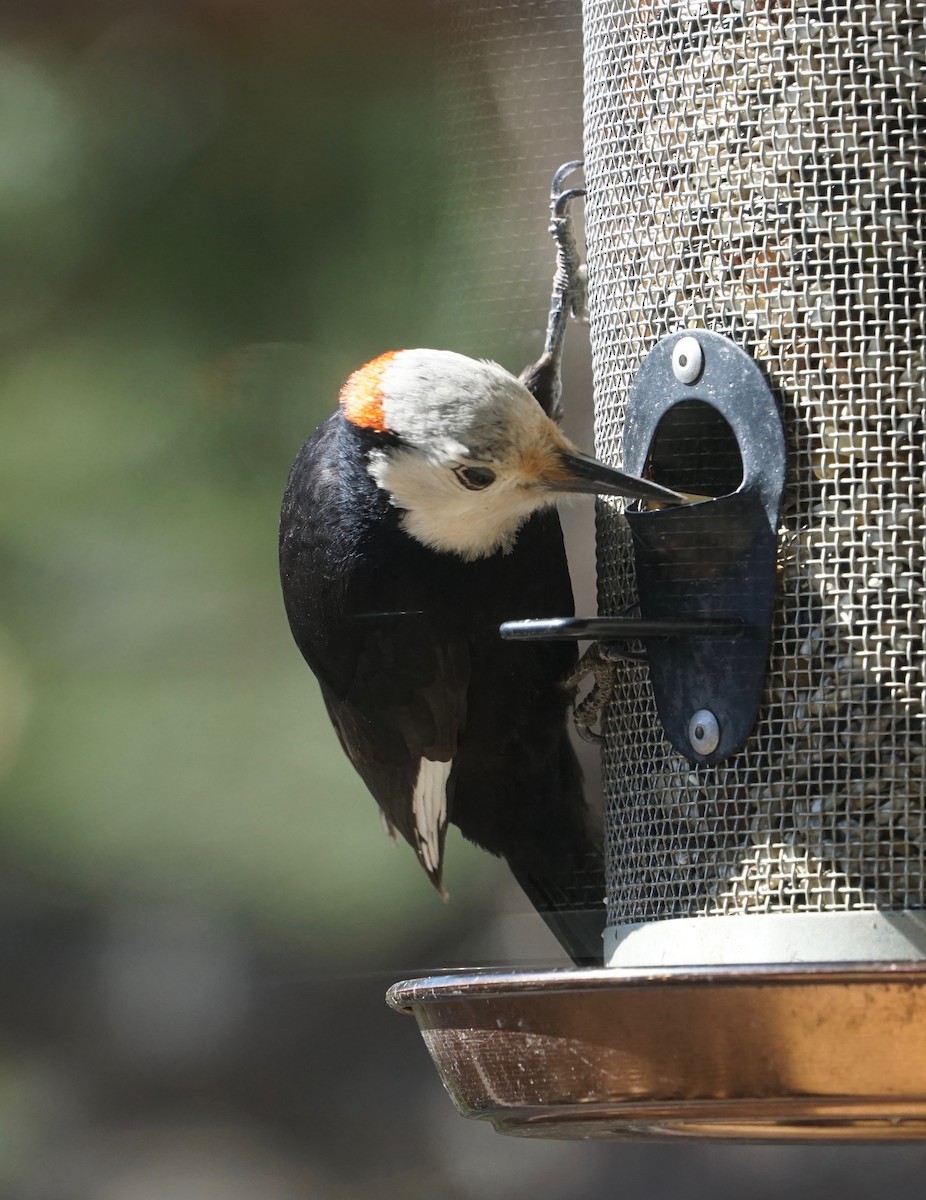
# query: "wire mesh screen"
(512, 115)
(759, 169)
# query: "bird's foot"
(600, 661)
(543, 378)
(570, 286)
(562, 174)
(586, 713)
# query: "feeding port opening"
(695, 451)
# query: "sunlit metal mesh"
(759, 169)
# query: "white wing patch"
(429, 804)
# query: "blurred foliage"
(204, 226)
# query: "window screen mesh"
(512, 115)
(759, 169)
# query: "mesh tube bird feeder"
(756, 232)
(759, 170)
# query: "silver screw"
(704, 732)
(687, 359)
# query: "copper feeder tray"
(788, 1053)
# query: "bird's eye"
(475, 478)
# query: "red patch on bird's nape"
(362, 395)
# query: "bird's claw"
(563, 174)
(543, 378)
(586, 713)
(560, 201)
(600, 661)
(570, 281)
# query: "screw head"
(704, 732)
(687, 359)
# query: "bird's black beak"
(584, 474)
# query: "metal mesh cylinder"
(759, 169)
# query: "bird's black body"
(404, 641)
(415, 522)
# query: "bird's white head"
(473, 453)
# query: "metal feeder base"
(808, 1053)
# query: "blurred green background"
(207, 220)
(210, 213)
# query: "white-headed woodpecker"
(416, 519)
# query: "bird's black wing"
(393, 669)
(399, 721)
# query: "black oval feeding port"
(702, 420)
(700, 409)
